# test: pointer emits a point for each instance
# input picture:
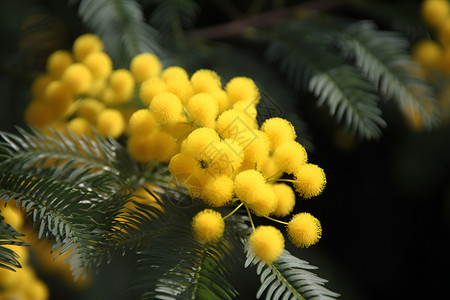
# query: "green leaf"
(9, 236)
(288, 277)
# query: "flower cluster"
(205, 131)
(22, 284)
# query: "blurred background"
(385, 210)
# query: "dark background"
(385, 211)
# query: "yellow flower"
(279, 131)
(434, 12)
(199, 140)
(38, 113)
(256, 147)
(290, 156)
(99, 63)
(309, 181)
(427, 53)
(180, 87)
(144, 66)
(110, 122)
(141, 122)
(89, 108)
(270, 169)
(159, 146)
(247, 185)
(264, 201)
(182, 164)
(176, 73)
(150, 88)
(286, 199)
(166, 108)
(203, 110)
(304, 230)
(58, 62)
(232, 124)
(205, 81)
(13, 216)
(86, 44)
(78, 78)
(223, 101)
(208, 226)
(121, 82)
(39, 85)
(58, 97)
(267, 243)
(242, 89)
(218, 191)
(79, 126)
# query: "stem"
(285, 180)
(273, 175)
(275, 220)
(234, 210)
(250, 217)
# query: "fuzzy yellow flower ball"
(159, 146)
(99, 63)
(264, 201)
(58, 62)
(256, 147)
(279, 131)
(427, 53)
(290, 156)
(166, 108)
(38, 113)
(285, 199)
(86, 44)
(242, 89)
(174, 73)
(304, 230)
(78, 78)
(150, 88)
(89, 109)
(222, 98)
(270, 169)
(247, 185)
(205, 81)
(79, 126)
(200, 141)
(39, 85)
(58, 97)
(434, 12)
(141, 122)
(208, 226)
(218, 191)
(309, 181)
(110, 122)
(121, 82)
(144, 66)
(182, 164)
(232, 124)
(203, 110)
(267, 243)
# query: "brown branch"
(237, 26)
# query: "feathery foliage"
(9, 236)
(288, 278)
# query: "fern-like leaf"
(288, 278)
(121, 25)
(9, 236)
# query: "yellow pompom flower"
(89, 109)
(159, 146)
(58, 62)
(86, 44)
(256, 147)
(247, 185)
(110, 122)
(290, 156)
(263, 202)
(279, 131)
(182, 164)
(242, 89)
(427, 53)
(434, 12)
(78, 78)
(223, 101)
(231, 154)
(79, 126)
(175, 73)
(58, 97)
(39, 85)
(286, 199)
(304, 230)
(38, 113)
(309, 181)
(180, 87)
(205, 81)
(166, 108)
(208, 226)
(203, 110)
(270, 169)
(218, 191)
(144, 66)
(141, 122)
(99, 63)
(150, 88)
(121, 82)
(267, 243)
(232, 124)
(199, 140)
